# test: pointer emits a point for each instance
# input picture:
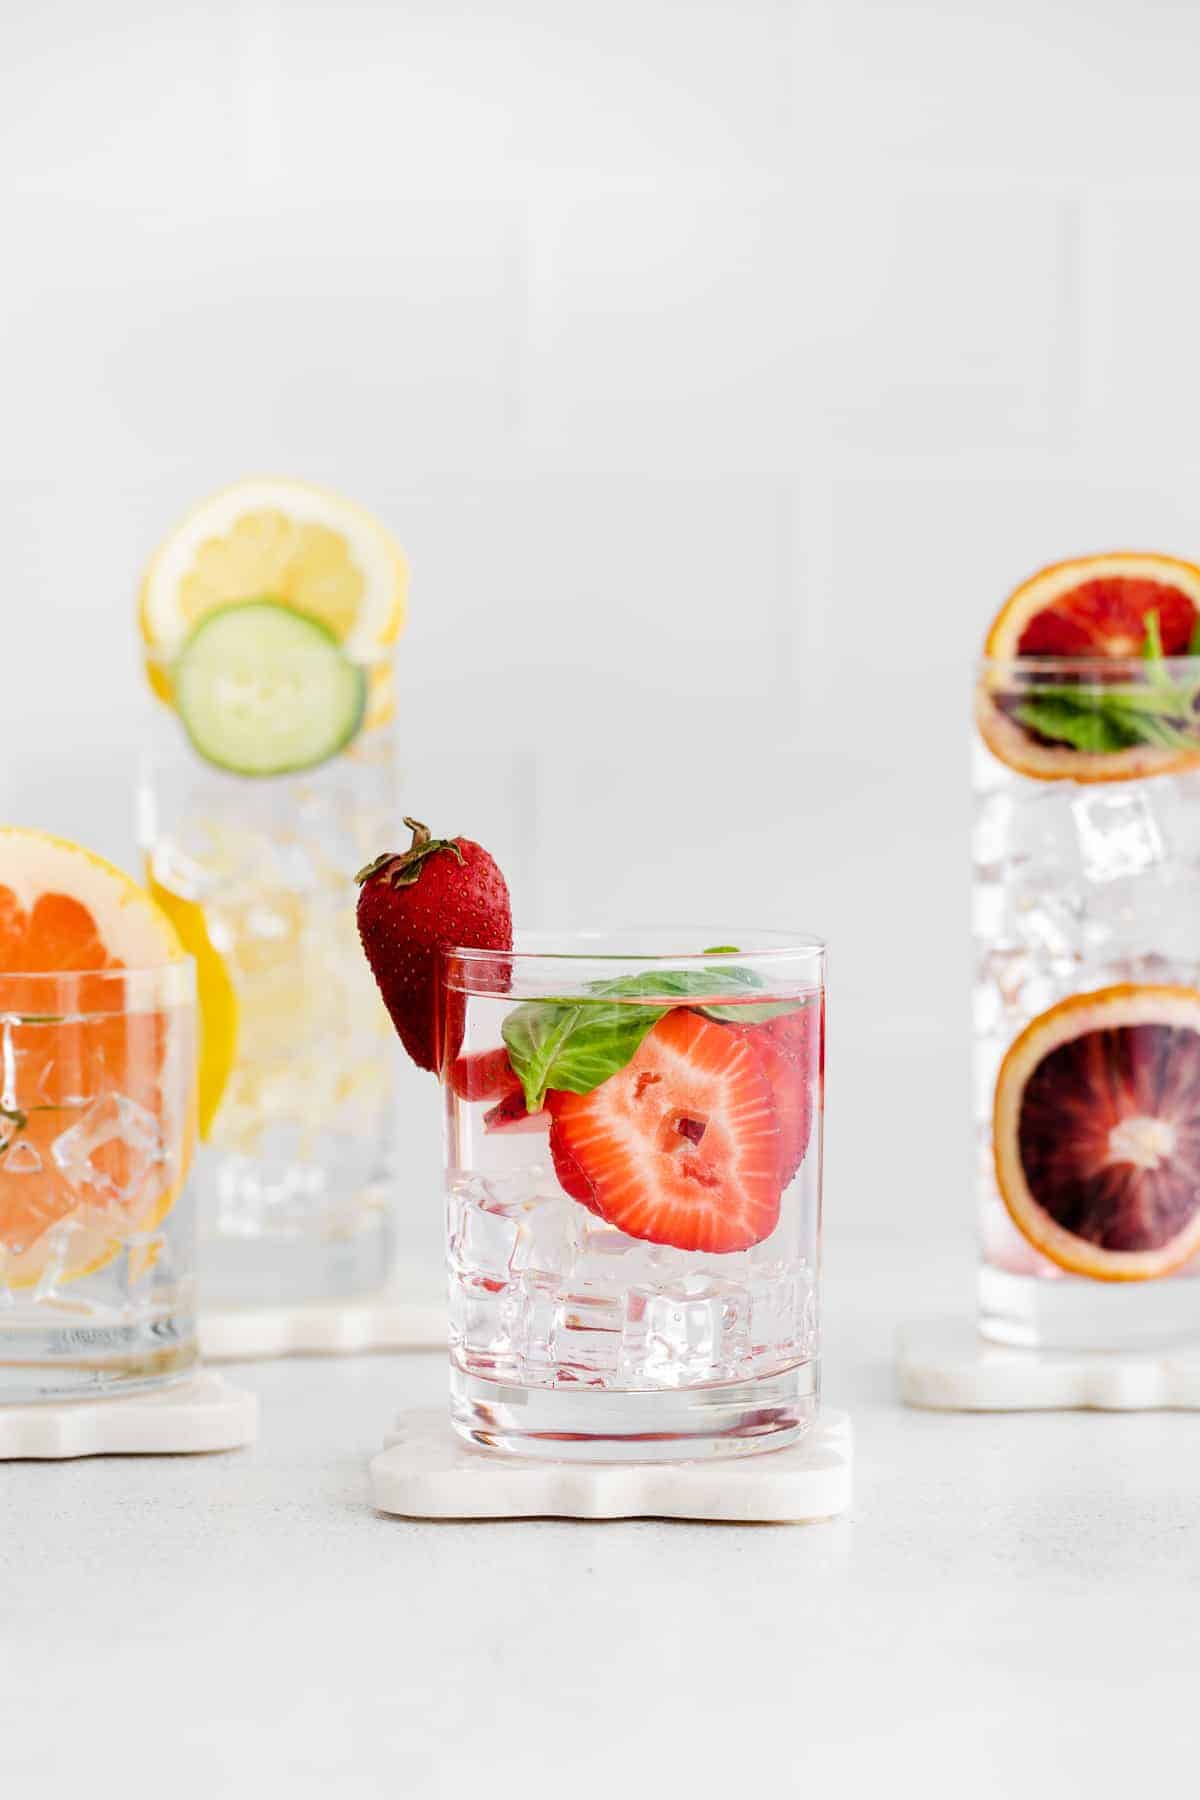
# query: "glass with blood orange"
(97, 1125)
(1087, 935)
(633, 1146)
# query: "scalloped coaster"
(947, 1366)
(384, 1321)
(202, 1413)
(428, 1472)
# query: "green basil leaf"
(756, 1012)
(1193, 648)
(574, 1045)
(1152, 646)
(1089, 728)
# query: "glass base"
(43, 1363)
(1073, 1313)
(669, 1425)
(271, 1269)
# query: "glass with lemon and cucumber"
(1087, 928)
(268, 619)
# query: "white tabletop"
(1011, 1609)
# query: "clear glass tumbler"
(296, 1089)
(633, 1156)
(97, 1227)
(1086, 909)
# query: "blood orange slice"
(91, 1149)
(1096, 1132)
(1097, 613)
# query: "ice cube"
(56, 1249)
(482, 1239)
(535, 1314)
(782, 1316)
(587, 1330)
(1049, 920)
(480, 1317)
(1118, 832)
(22, 1159)
(107, 1154)
(548, 1235)
(690, 1331)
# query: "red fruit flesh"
(789, 1055)
(485, 1075)
(510, 1115)
(567, 1168)
(682, 1145)
(1106, 617)
(438, 893)
(1109, 1135)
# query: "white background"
(720, 365)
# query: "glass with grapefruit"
(97, 1129)
(1086, 917)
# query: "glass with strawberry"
(1087, 927)
(633, 1156)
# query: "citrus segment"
(82, 1126)
(1096, 1132)
(1093, 721)
(263, 538)
(1098, 606)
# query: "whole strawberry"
(438, 892)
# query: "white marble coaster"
(201, 1413)
(946, 1365)
(428, 1472)
(384, 1321)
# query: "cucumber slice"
(263, 690)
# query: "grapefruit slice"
(1098, 612)
(1096, 1132)
(88, 1132)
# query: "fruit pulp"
(291, 1174)
(581, 1322)
(1077, 889)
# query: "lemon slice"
(275, 539)
(216, 1000)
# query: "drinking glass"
(97, 1227)
(634, 1265)
(296, 1114)
(1086, 919)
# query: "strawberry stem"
(400, 868)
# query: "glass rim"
(589, 945)
(1097, 668)
(96, 991)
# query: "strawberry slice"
(567, 1166)
(484, 1075)
(682, 1145)
(511, 1115)
(788, 1057)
